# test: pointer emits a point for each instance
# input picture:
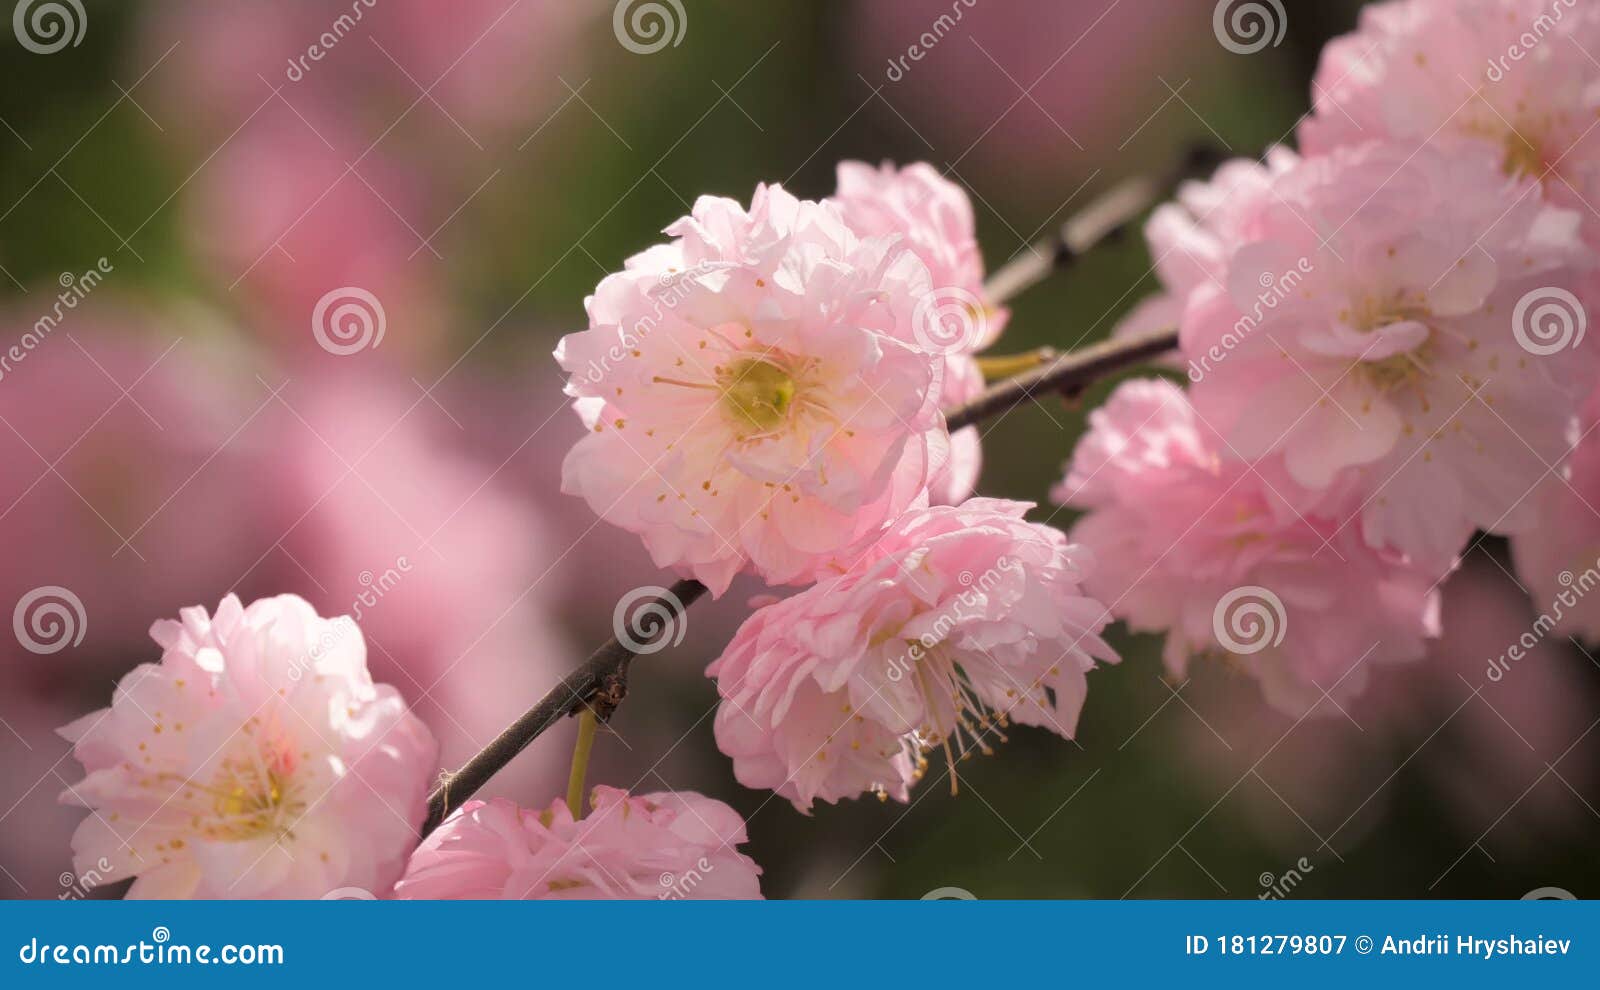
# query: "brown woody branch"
(601, 681)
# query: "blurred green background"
(506, 156)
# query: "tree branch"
(1065, 375)
(601, 681)
(1108, 217)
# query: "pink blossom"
(749, 398)
(1559, 559)
(1515, 77)
(256, 759)
(671, 845)
(958, 622)
(1366, 315)
(1211, 551)
(934, 217)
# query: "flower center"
(1523, 158)
(756, 393)
(1409, 368)
(251, 799)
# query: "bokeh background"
(476, 167)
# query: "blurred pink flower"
(1515, 77)
(117, 445)
(957, 622)
(287, 220)
(670, 845)
(1022, 90)
(749, 400)
(1211, 552)
(1444, 733)
(1559, 559)
(256, 759)
(490, 66)
(1366, 318)
(380, 512)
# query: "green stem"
(587, 724)
(998, 367)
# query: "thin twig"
(602, 680)
(1109, 216)
(600, 683)
(1063, 376)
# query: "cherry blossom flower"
(1559, 559)
(958, 622)
(257, 759)
(1514, 76)
(749, 398)
(674, 845)
(934, 217)
(1366, 315)
(1211, 551)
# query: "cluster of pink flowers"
(1385, 343)
(1384, 340)
(258, 759)
(764, 395)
